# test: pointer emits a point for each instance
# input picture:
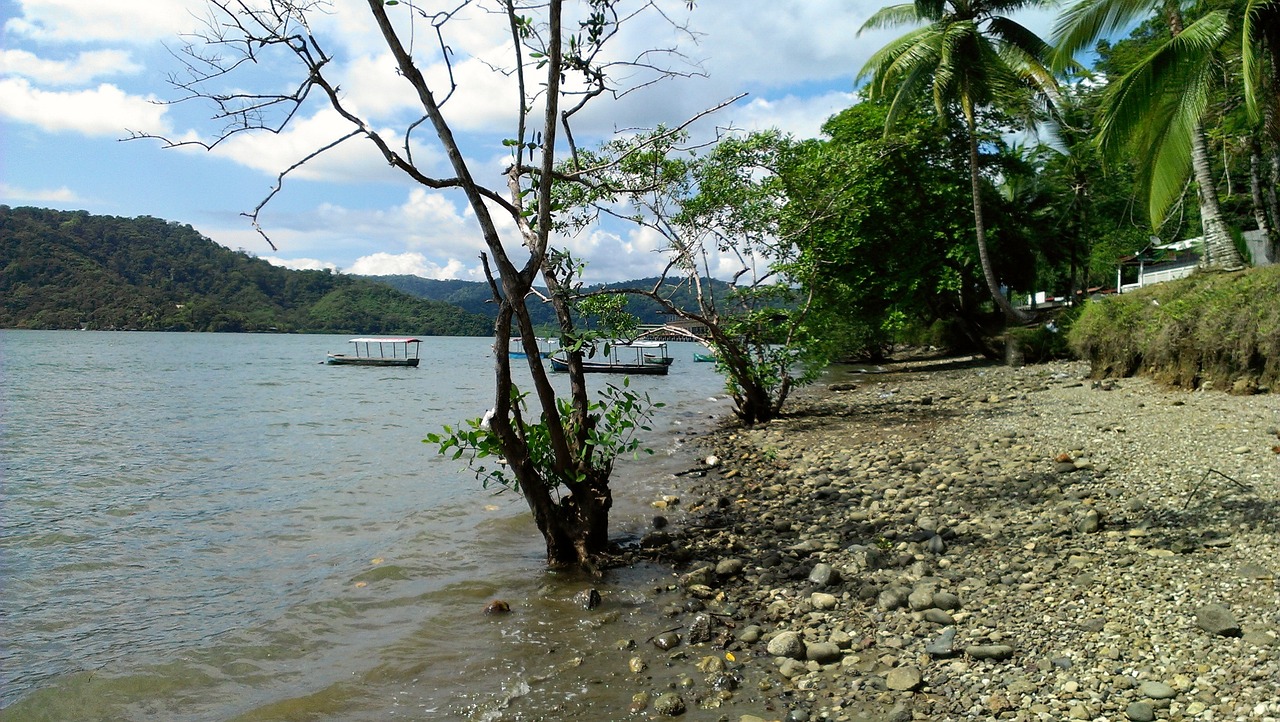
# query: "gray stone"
(1090, 523)
(823, 653)
(939, 616)
(750, 634)
(1140, 712)
(823, 575)
(787, 644)
(946, 600)
(729, 567)
(864, 558)
(944, 645)
(822, 600)
(669, 705)
(1156, 690)
(666, 640)
(893, 598)
(1217, 619)
(903, 679)
(989, 651)
(936, 545)
(920, 598)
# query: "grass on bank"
(1209, 328)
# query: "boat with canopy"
(378, 351)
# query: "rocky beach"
(957, 540)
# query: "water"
(219, 527)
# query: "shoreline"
(955, 539)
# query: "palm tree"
(1157, 108)
(969, 57)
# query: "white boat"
(641, 358)
(546, 346)
(396, 351)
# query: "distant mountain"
(473, 296)
(70, 269)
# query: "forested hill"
(474, 296)
(70, 269)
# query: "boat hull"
(344, 360)
(562, 366)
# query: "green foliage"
(612, 424)
(1207, 327)
(63, 269)
(1047, 340)
(883, 220)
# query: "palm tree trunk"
(1262, 214)
(980, 230)
(1220, 250)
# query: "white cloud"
(84, 68)
(103, 111)
(300, 264)
(412, 264)
(800, 116)
(61, 196)
(355, 159)
(87, 21)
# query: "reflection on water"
(204, 527)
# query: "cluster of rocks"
(980, 542)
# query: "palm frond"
(1170, 70)
(891, 17)
(1084, 23)
(1260, 23)
(887, 62)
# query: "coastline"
(960, 540)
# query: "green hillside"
(70, 269)
(473, 296)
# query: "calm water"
(219, 527)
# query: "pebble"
(1035, 558)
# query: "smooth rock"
(920, 598)
(666, 640)
(903, 679)
(1217, 619)
(823, 575)
(823, 653)
(1156, 690)
(1140, 712)
(729, 567)
(989, 651)
(787, 644)
(944, 645)
(893, 598)
(824, 601)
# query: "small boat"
(379, 352)
(704, 357)
(619, 361)
(654, 352)
(516, 349)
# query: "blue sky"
(76, 76)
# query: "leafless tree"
(560, 57)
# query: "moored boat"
(377, 351)
(618, 360)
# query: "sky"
(78, 78)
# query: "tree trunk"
(1220, 252)
(1262, 213)
(988, 271)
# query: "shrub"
(1216, 328)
